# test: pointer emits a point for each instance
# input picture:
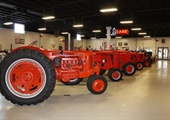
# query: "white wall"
(147, 43)
(133, 43)
(7, 37)
(96, 43)
(79, 43)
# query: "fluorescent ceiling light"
(64, 33)
(93, 38)
(8, 23)
(147, 36)
(96, 31)
(82, 35)
(41, 29)
(109, 10)
(126, 22)
(136, 29)
(78, 25)
(48, 17)
(118, 37)
(144, 33)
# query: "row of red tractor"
(28, 74)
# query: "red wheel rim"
(98, 85)
(115, 75)
(146, 63)
(139, 65)
(25, 78)
(129, 69)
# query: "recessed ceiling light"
(64, 33)
(82, 35)
(78, 25)
(126, 22)
(142, 33)
(8, 23)
(96, 31)
(147, 36)
(136, 29)
(93, 38)
(118, 37)
(109, 10)
(41, 29)
(48, 17)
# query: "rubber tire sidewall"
(137, 65)
(43, 61)
(90, 81)
(147, 61)
(102, 71)
(73, 83)
(111, 72)
(124, 69)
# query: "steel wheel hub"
(25, 78)
(98, 85)
(129, 69)
(116, 75)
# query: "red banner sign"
(122, 32)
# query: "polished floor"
(144, 96)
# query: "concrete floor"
(144, 96)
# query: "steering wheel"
(33, 43)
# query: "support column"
(108, 28)
(69, 41)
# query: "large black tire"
(115, 75)
(75, 81)
(27, 77)
(129, 69)
(96, 84)
(102, 71)
(139, 65)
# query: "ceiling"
(151, 15)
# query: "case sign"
(120, 31)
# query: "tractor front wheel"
(75, 81)
(147, 63)
(96, 84)
(27, 77)
(102, 71)
(115, 75)
(129, 69)
(139, 65)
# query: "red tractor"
(108, 61)
(148, 59)
(138, 59)
(28, 74)
(127, 66)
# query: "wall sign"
(125, 44)
(19, 40)
(120, 31)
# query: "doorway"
(163, 53)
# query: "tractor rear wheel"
(115, 75)
(102, 71)
(75, 81)
(129, 69)
(96, 84)
(27, 77)
(139, 65)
